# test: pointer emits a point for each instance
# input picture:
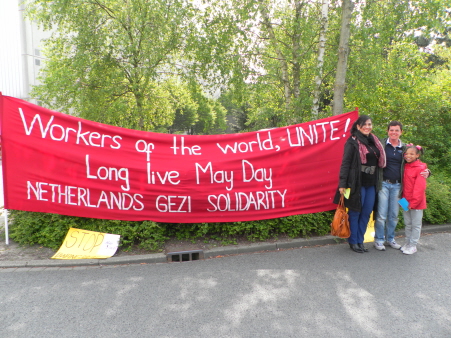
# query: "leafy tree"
(393, 76)
(237, 115)
(382, 44)
(274, 53)
(133, 63)
(431, 123)
(117, 62)
(205, 116)
(278, 45)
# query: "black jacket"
(351, 175)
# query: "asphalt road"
(326, 291)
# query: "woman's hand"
(342, 190)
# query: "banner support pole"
(6, 227)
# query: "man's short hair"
(394, 123)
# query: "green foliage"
(38, 228)
(438, 197)
(129, 63)
(50, 229)
(389, 72)
(431, 125)
(405, 87)
(118, 62)
(293, 226)
(199, 115)
(278, 49)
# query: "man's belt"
(392, 182)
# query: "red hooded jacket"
(414, 185)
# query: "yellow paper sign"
(347, 192)
(85, 244)
(369, 234)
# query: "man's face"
(394, 133)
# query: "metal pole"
(6, 227)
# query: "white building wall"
(20, 54)
(11, 67)
(20, 58)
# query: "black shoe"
(356, 248)
(362, 247)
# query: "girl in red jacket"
(414, 191)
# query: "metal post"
(6, 227)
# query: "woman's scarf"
(363, 141)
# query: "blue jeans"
(358, 221)
(387, 212)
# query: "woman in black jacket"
(363, 156)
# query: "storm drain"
(185, 256)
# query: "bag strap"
(341, 203)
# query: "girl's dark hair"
(418, 149)
(359, 122)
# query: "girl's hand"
(342, 190)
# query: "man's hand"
(426, 173)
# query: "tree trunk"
(321, 50)
(296, 49)
(343, 51)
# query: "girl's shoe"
(410, 249)
(404, 247)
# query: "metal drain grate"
(185, 256)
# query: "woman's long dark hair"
(359, 122)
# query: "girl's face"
(411, 155)
(366, 128)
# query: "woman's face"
(366, 128)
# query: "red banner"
(58, 163)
